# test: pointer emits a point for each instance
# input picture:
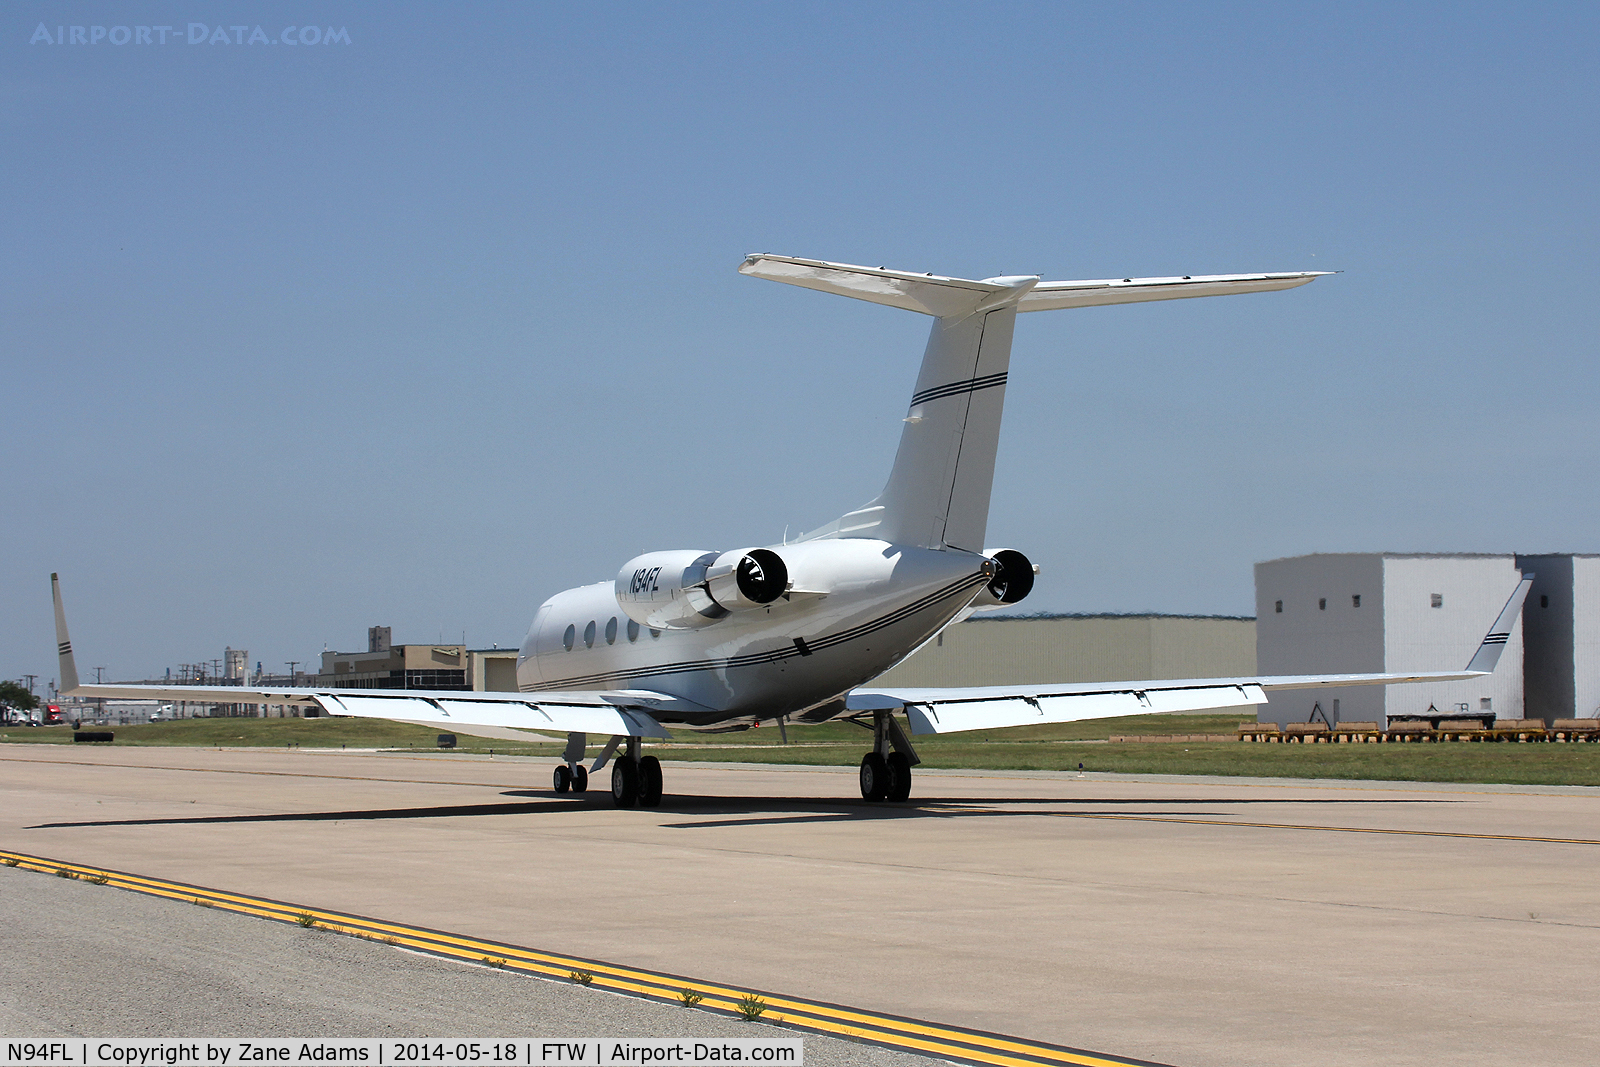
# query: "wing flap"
(599, 717)
(951, 711)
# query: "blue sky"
(423, 328)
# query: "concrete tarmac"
(1192, 922)
(84, 962)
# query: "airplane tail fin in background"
(938, 490)
(1488, 653)
(69, 665)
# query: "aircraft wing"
(627, 713)
(956, 709)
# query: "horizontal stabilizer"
(932, 294)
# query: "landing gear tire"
(563, 779)
(899, 776)
(580, 779)
(649, 782)
(874, 777)
(625, 782)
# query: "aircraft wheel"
(874, 777)
(899, 776)
(580, 779)
(649, 782)
(625, 782)
(563, 779)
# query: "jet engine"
(1012, 581)
(690, 589)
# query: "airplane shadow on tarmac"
(761, 811)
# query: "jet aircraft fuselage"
(852, 608)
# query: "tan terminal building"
(446, 667)
(1033, 649)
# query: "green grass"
(1048, 748)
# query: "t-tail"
(938, 490)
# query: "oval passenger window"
(611, 631)
(588, 635)
(633, 630)
(568, 638)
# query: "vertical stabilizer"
(938, 489)
(69, 666)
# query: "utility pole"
(99, 702)
(293, 663)
(31, 679)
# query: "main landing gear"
(635, 779)
(886, 770)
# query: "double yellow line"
(892, 1031)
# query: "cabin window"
(633, 630)
(1355, 600)
(654, 633)
(588, 635)
(1436, 599)
(1486, 703)
(611, 631)
(569, 638)
(1544, 601)
(1278, 607)
(1322, 603)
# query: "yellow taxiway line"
(956, 1043)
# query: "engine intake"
(690, 589)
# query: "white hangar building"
(1339, 613)
(1561, 631)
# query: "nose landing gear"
(886, 770)
(570, 776)
(574, 779)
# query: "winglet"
(1494, 642)
(69, 666)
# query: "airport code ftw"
(410, 1052)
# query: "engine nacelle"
(1013, 579)
(690, 589)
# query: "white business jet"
(796, 632)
